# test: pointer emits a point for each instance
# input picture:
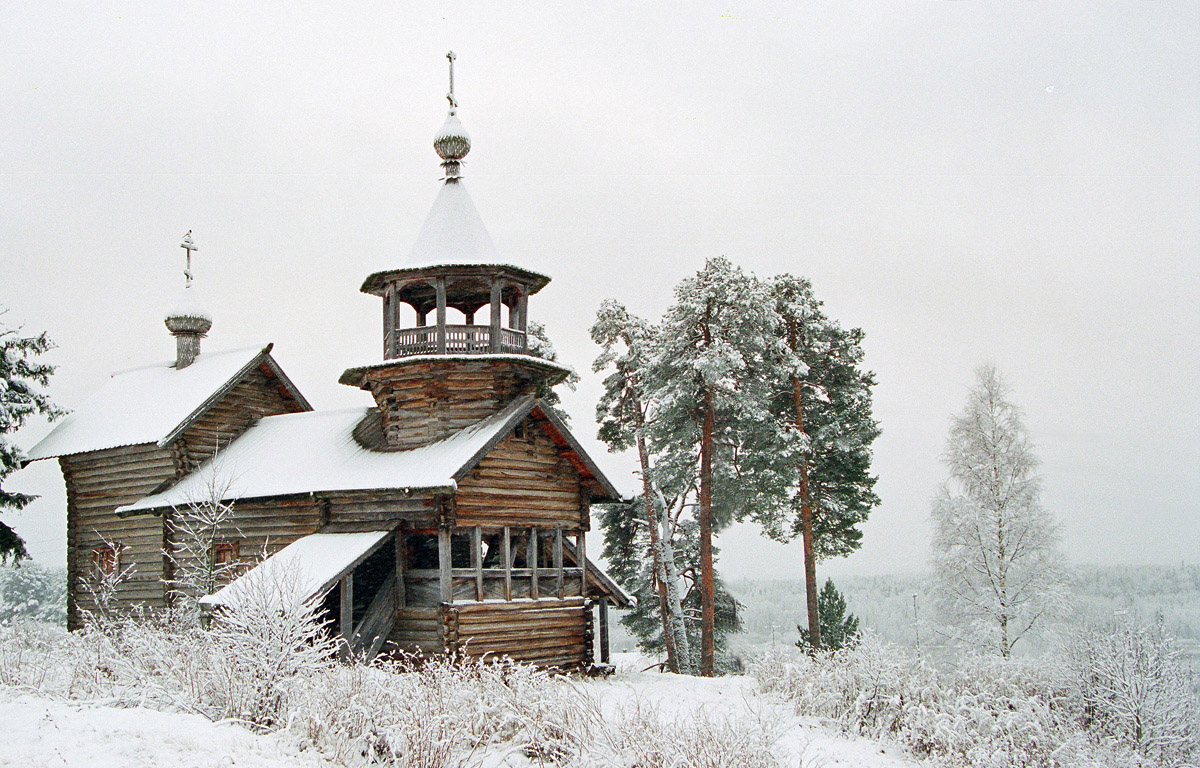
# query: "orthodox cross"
(188, 246)
(450, 96)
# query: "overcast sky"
(966, 181)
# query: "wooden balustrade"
(460, 340)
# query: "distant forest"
(771, 608)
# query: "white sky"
(967, 181)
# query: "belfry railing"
(460, 340)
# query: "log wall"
(524, 481)
(418, 630)
(260, 527)
(369, 510)
(548, 633)
(423, 402)
(97, 483)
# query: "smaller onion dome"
(452, 142)
(188, 323)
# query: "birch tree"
(626, 343)
(997, 566)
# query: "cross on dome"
(452, 142)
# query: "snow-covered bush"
(1138, 690)
(986, 712)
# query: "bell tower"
(438, 376)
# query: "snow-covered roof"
(303, 569)
(150, 404)
(354, 376)
(317, 452)
(453, 232)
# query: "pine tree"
(707, 377)
(21, 379)
(838, 630)
(997, 567)
(823, 394)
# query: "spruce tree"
(21, 380)
(838, 630)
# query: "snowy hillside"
(708, 717)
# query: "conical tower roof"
(453, 232)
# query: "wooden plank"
(346, 613)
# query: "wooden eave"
(376, 283)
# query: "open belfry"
(449, 517)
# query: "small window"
(422, 552)
(107, 559)
(224, 554)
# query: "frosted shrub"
(1138, 690)
(268, 638)
(986, 713)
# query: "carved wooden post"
(532, 556)
(506, 553)
(477, 561)
(440, 287)
(494, 333)
(401, 553)
(444, 582)
(580, 545)
(605, 654)
(522, 311)
(558, 561)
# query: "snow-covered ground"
(39, 732)
(44, 732)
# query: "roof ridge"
(170, 363)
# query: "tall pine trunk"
(806, 528)
(708, 623)
(806, 508)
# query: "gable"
(526, 478)
(153, 404)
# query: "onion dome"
(452, 142)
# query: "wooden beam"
(477, 561)
(494, 340)
(446, 587)
(531, 556)
(440, 287)
(522, 311)
(558, 561)
(505, 552)
(346, 611)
